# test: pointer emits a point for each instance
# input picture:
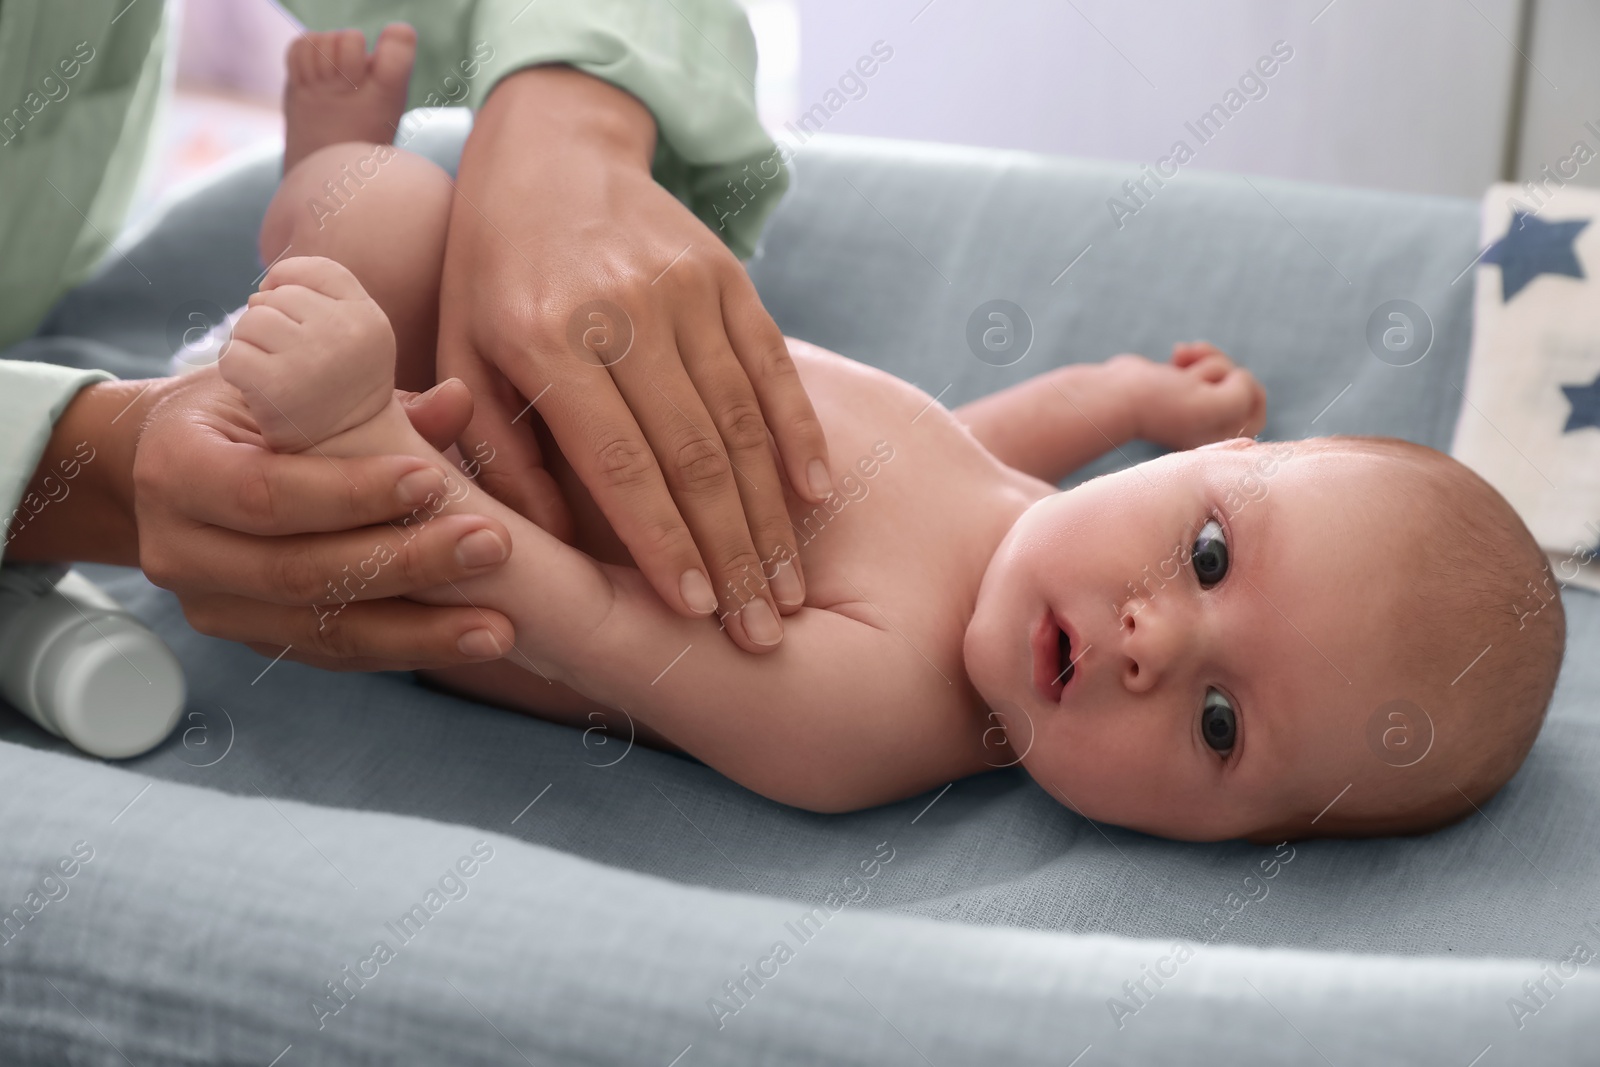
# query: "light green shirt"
(81, 81)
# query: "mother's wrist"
(78, 506)
(554, 109)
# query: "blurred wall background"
(1417, 96)
(1440, 96)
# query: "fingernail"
(416, 487)
(480, 644)
(422, 398)
(821, 484)
(480, 548)
(786, 586)
(696, 590)
(760, 623)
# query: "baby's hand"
(1198, 398)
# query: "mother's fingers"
(243, 487)
(726, 393)
(387, 635)
(601, 439)
(199, 463)
(706, 485)
(769, 368)
(441, 414)
(365, 564)
(498, 445)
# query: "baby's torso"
(918, 509)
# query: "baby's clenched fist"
(1199, 397)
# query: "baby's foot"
(313, 355)
(337, 92)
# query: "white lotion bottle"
(76, 663)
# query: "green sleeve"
(691, 62)
(32, 398)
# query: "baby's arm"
(846, 714)
(1052, 424)
(1056, 422)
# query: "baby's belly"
(910, 491)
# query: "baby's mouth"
(1053, 665)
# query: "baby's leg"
(350, 196)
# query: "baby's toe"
(393, 55)
(349, 53)
(312, 59)
(297, 60)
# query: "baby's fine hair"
(1477, 581)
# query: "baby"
(1340, 636)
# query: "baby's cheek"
(1054, 759)
(1097, 776)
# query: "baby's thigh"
(383, 213)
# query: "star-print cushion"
(1530, 423)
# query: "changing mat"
(625, 895)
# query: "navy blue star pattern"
(1532, 247)
(1585, 401)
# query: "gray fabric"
(884, 249)
(203, 926)
(881, 251)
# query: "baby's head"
(1339, 637)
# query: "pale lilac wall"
(1406, 95)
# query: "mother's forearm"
(78, 506)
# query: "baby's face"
(1226, 613)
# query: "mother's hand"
(306, 551)
(573, 280)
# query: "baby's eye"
(1210, 553)
(1217, 723)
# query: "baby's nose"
(1145, 644)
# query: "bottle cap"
(111, 687)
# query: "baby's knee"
(339, 196)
